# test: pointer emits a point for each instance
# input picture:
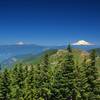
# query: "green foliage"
(36, 59)
(58, 75)
(5, 85)
(92, 77)
(69, 48)
(17, 82)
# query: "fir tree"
(70, 73)
(65, 78)
(92, 77)
(81, 81)
(30, 83)
(69, 48)
(45, 80)
(5, 85)
(17, 82)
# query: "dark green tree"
(69, 69)
(17, 82)
(92, 78)
(30, 84)
(69, 48)
(45, 79)
(81, 80)
(5, 85)
(0, 67)
(65, 78)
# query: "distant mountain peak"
(20, 43)
(82, 42)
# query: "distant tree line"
(41, 82)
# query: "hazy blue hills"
(7, 51)
(28, 58)
(9, 54)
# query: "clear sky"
(49, 22)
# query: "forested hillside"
(97, 51)
(67, 74)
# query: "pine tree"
(69, 48)
(44, 81)
(25, 71)
(5, 85)
(81, 81)
(0, 67)
(65, 78)
(17, 82)
(25, 76)
(92, 77)
(70, 72)
(30, 84)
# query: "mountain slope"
(97, 51)
(8, 51)
(9, 54)
(56, 54)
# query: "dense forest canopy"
(60, 75)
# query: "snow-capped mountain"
(83, 42)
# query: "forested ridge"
(53, 79)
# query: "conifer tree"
(5, 85)
(25, 71)
(70, 73)
(30, 83)
(92, 77)
(65, 78)
(25, 76)
(81, 81)
(17, 82)
(44, 74)
(0, 67)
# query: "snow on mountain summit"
(20, 43)
(82, 42)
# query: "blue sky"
(49, 22)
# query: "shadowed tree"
(5, 85)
